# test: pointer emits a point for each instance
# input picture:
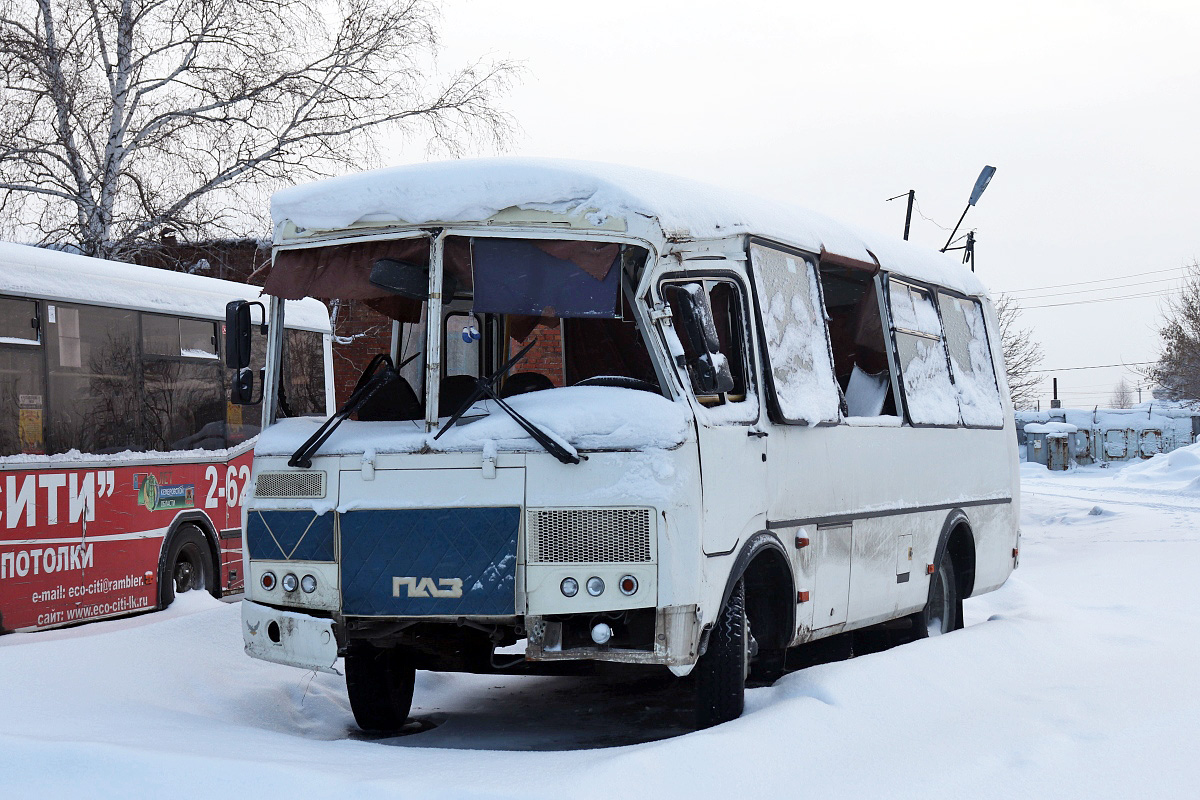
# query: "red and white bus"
(122, 463)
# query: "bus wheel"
(721, 672)
(943, 609)
(187, 566)
(380, 685)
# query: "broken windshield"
(565, 303)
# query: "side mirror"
(241, 390)
(709, 366)
(237, 332)
(408, 280)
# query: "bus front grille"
(590, 535)
(290, 484)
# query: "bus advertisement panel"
(123, 465)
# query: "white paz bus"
(624, 418)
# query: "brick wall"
(546, 356)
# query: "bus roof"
(473, 190)
(66, 277)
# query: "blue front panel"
(413, 562)
(290, 535)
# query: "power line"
(1097, 366)
(1098, 280)
(1165, 293)
(1098, 289)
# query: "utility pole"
(912, 194)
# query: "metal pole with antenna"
(981, 183)
(908, 214)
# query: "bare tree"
(122, 119)
(1022, 354)
(1122, 395)
(1177, 371)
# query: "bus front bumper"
(287, 637)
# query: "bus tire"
(188, 565)
(721, 671)
(379, 682)
(943, 607)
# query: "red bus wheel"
(188, 565)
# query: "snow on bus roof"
(67, 277)
(475, 189)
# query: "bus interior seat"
(453, 392)
(392, 402)
(524, 382)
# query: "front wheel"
(380, 684)
(721, 671)
(188, 565)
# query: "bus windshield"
(564, 306)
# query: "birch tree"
(1022, 354)
(1177, 371)
(124, 119)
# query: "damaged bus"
(624, 418)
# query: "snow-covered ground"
(1077, 679)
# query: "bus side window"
(304, 373)
(856, 338)
(929, 394)
(724, 303)
(96, 403)
(182, 384)
(22, 387)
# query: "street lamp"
(981, 183)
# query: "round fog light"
(289, 582)
(601, 633)
(628, 585)
(595, 586)
(569, 587)
(309, 584)
(267, 580)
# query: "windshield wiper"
(367, 386)
(486, 387)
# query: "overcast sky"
(1088, 110)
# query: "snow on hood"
(587, 417)
(475, 189)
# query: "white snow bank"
(1179, 470)
(587, 417)
(1063, 685)
(474, 189)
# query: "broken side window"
(715, 362)
(857, 342)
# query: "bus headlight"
(289, 582)
(595, 586)
(309, 584)
(569, 587)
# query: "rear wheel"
(188, 565)
(380, 685)
(943, 609)
(721, 671)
